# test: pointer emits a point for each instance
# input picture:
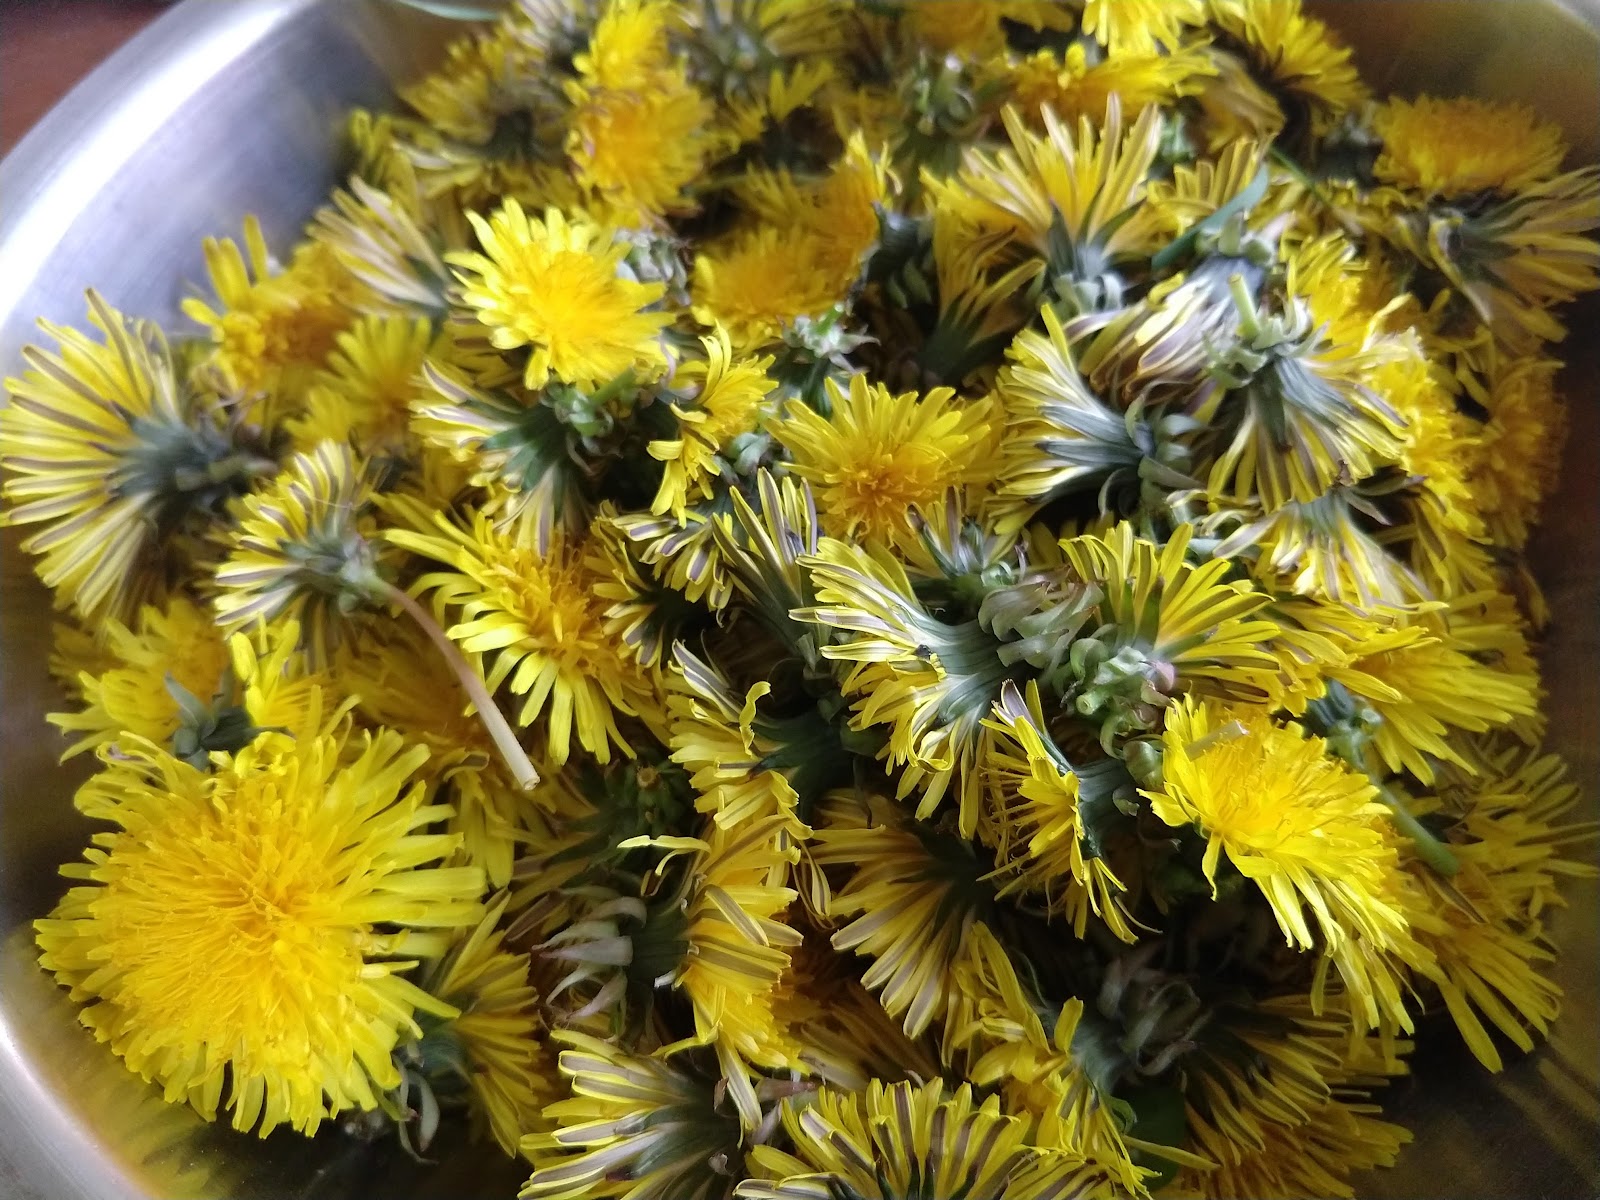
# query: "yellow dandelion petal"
(236, 932)
(554, 286)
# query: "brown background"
(46, 46)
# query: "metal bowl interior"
(222, 109)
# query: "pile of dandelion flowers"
(229, 928)
(306, 548)
(555, 286)
(106, 449)
(526, 599)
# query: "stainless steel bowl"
(225, 107)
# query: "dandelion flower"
(901, 1139)
(913, 893)
(269, 330)
(304, 548)
(179, 641)
(643, 1127)
(554, 286)
(1520, 447)
(1051, 846)
(1296, 55)
(495, 1039)
(877, 456)
(729, 403)
(118, 460)
(244, 931)
(1302, 826)
(528, 602)
(1457, 147)
(932, 683)
(640, 131)
(364, 395)
(737, 950)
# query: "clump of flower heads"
(797, 599)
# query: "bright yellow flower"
(930, 682)
(1521, 446)
(400, 682)
(905, 1139)
(1073, 88)
(729, 402)
(303, 548)
(1316, 1158)
(799, 256)
(554, 286)
(179, 641)
(738, 949)
(1302, 826)
(641, 1127)
(876, 456)
(913, 894)
(238, 931)
(640, 131)
(1423, 686)
(1460, 146)
(1089, 181)
(1046, 845)
(527, 601)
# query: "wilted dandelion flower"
(240, 937)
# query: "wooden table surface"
(46, 46)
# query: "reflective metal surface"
(231, 106)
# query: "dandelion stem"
(1429, 848)
(505, 739)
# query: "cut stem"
(1429, 848)
(505, 739)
